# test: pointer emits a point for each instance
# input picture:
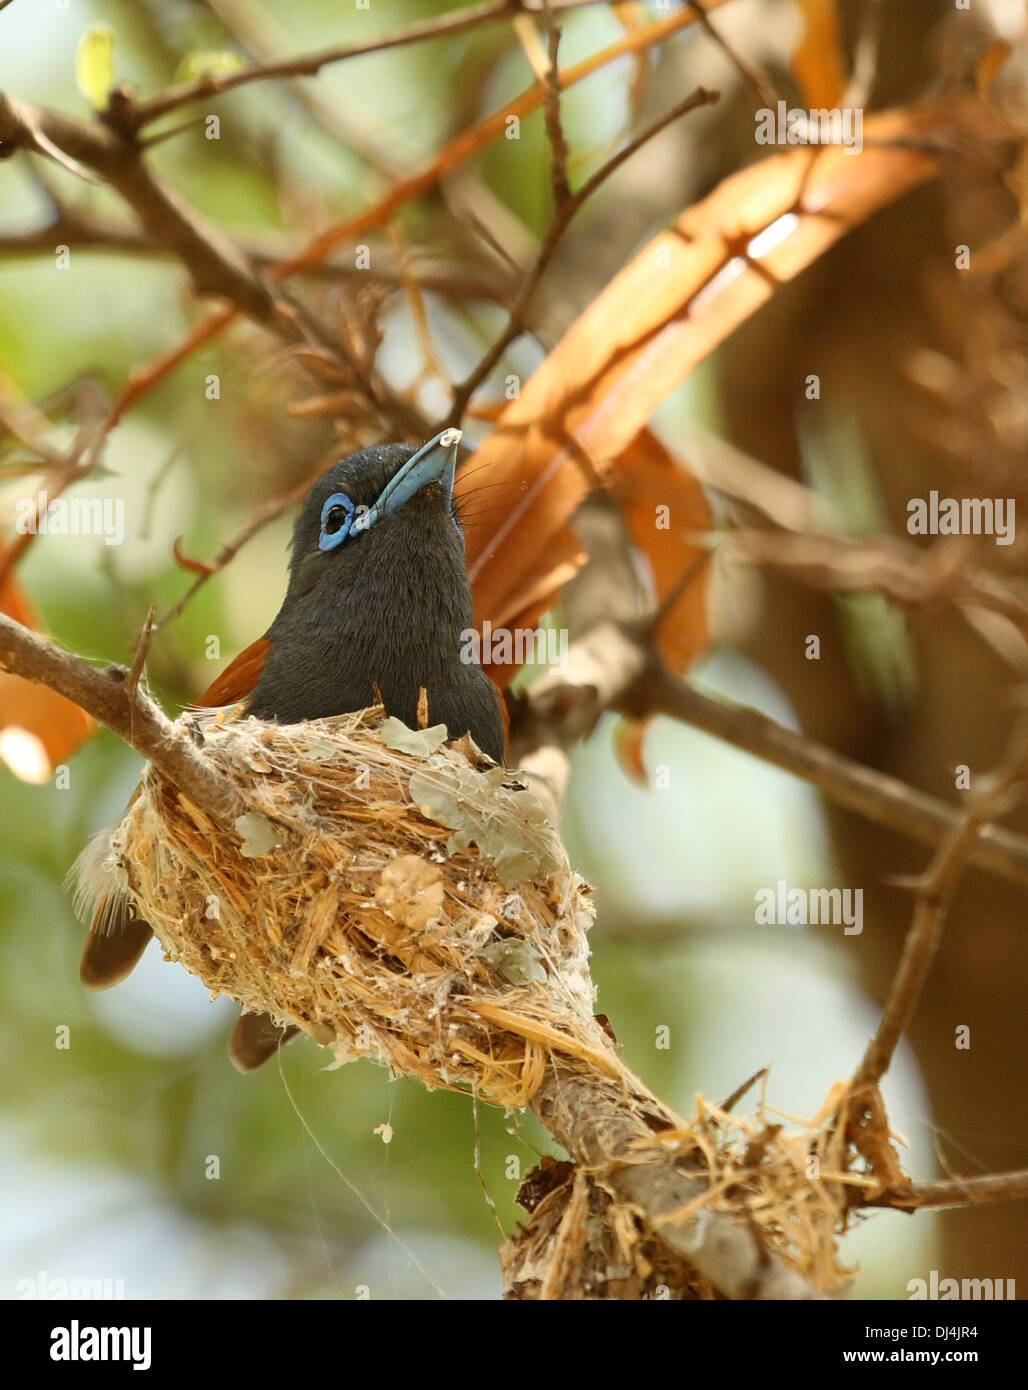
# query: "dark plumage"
(379, 605)
(386, 608)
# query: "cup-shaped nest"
(392, 895)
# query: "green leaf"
(516, 960)
(207, 62)
(94, 65)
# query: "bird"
(378, 607)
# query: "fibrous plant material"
(391, 895)
(401, 898)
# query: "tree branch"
(615, 667)
(957, 1192)
(603, 1129)
(935, 893)
(890, 565)
(564, 212)
(114, 699)
(446, 25)
(215, 264)
(445, 277)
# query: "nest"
(391, 895)
(401, 898)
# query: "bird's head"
(380, 507)
(379, 600)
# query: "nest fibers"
(401, 898)
(391, 895)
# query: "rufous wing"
(238, 678)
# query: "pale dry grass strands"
(403, 899)
(409, 903)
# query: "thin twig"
(148, 142)
(143, 379)
(129, 712)
(446, 25)
(75, 227)
(752, 75)
(139, 660)
(412, 287)
(682, 584)
(957, 1192)
(614, 666)
(562, 217)
(24, 421)
(228, 552)
(551, 112)
(258, 34)
(935, 893)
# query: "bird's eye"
(336, 519)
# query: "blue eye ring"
(330, 539)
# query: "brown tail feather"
(255, 1038)
(113, 947)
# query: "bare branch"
(957, 1192)
(445, 277)
(139, 660)
(129, 711)
(216, 265)
(563, 214)
(755, 79)
(551, 112)
(441, 26)
(910, 574)
(603, 1128)
(615, 667)
(935, 893)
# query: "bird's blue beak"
(435, 463)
